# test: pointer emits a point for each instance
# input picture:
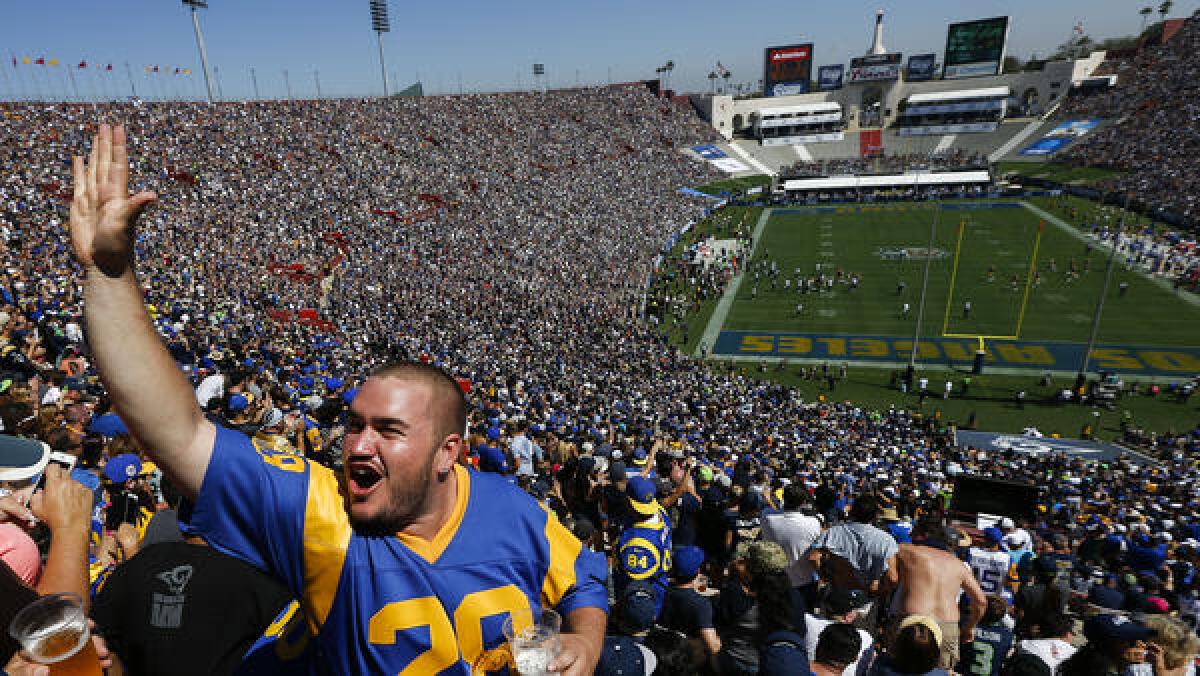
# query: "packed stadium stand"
(522, 242)
(1153, 136)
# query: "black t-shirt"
(686, 610)
(178, 608)
(14, 596)
(688, 508)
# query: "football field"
(843, 283)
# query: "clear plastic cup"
(53, 630)
(533, 638)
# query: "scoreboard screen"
(975, 48)
(787, 70)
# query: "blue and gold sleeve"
(576, 577)
(251, 505)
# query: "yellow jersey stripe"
(326, 537)
(564, 550)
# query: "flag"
(40, 62)
(722, 71)
(53, 62)
(156, 69)
(1079, 27)
(147, 69)
(177, 71)
(25, 61)
(83, 64)
(187, 71)
(109, 67)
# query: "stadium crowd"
(885, 163)
(508, 239)
(1151, 129)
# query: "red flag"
(177, 71)
(40, 62)
(109, 67)
(83, 64)
(156, 69)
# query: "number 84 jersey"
(394, 604)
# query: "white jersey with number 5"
(990, 568)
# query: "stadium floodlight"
(194, 5)
(381, 25)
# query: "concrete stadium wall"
(1051, 85)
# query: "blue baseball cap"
(639, 607)
(1109, 627)
(687, 561)
(641, 491)
(639, 456)
(238, 402)
(122, 468)
(993, 535)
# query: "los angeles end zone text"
(1041, 355)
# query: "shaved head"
(447, 403)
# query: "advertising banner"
(920, 67)
(830, 77)
(875, 67)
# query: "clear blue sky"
(489, 45)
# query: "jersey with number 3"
(986, 654)
(394, 604)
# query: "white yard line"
(717, 319)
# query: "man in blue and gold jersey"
(407, 562)
(644, 548)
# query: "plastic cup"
(532, 637)
(53, 630)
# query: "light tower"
(194, 5)
(379, 24)
(877, 43)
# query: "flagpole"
(129, 73)
(7, 82)
(217, 81)
(74, 85)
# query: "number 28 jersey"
(393, 604)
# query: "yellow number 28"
(445, 648)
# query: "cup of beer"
(53, 630)
(533, 639)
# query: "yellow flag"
(53, 62)
(147, 69)
(25, 61)
(187, 71)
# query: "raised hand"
(103, 212)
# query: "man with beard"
(407, 561)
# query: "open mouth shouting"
(362, 478)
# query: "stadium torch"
(194, 5)
(379, 24)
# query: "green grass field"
(993, 271)
(990, 401)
